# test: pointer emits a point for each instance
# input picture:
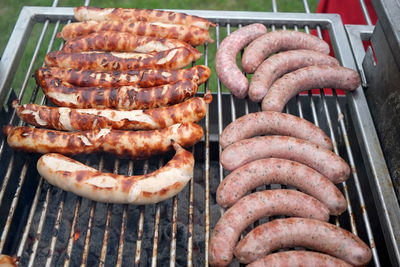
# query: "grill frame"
(359, 112)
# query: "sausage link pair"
(171, 59)
(84, 13)
(64, 94)
(141, 78)
(130, 144)
(192, 110)
(302, 232)
(256, 206)
(164, 183)
(190, 34)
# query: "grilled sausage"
(130, 144)
(190, 34)
(71, 175)
(192, 110)
(253, 207)
(301, 232)
(308, 78)
(320, 159)
(273, 42)
(225, 59)
(141, 78)
(64, 94)
(273, 123)
(124, 42)
(7, 261)
(280, 171)
(277, 65)
(84, 13)
(299, 259)
(172, 59)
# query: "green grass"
(9, 11)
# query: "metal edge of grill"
(359, 113)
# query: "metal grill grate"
(45, 225)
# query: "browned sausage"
(192, 110)
(84, 13)
(225, 59)
(298, 259)
(320, 159)
(277, 65)
(308, 78)
(280, 171)
(64, 94)
(253, 207)
(164, 183)
(124, 42)
(302, 232)
(130, 144)
(172, 59)
(273, 42)
(141, 78)
(190, 34)
(273, 123)
(7, 261)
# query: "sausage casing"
(64, 94)
(71, 175)
(141, 78)
(171, 59)
(58, 118)
(190, 34)
(130, 144)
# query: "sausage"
(190, 34)
(192, 110)
(320, 159)
(64, 94)
(7, 261)
(172, 59)
(280, 171)
(141, 78)
(298, 259)
(164, 183)
(277, 65)
(124, 42)
(273, 123)
(126, 144)
(276, 41)
(308, 78)
(253, 207)
(84, 13)
(302, 232)
(225, 59)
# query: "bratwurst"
(126, 144)
(164, 183)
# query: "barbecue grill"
(43, 225)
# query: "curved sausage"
(124, 42)
(84, 13)
(164, 183)
(276, 41)
(192, 110)
(308, 78)
(277, 65)
(141, 78)
(64, 94)
(280, 171)
(301, 232)
(320, 159)
(172, 59)
(273, 123)
(253, 207)
(190, 34)
(225, 59)
(298, 259)
(127, 144)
